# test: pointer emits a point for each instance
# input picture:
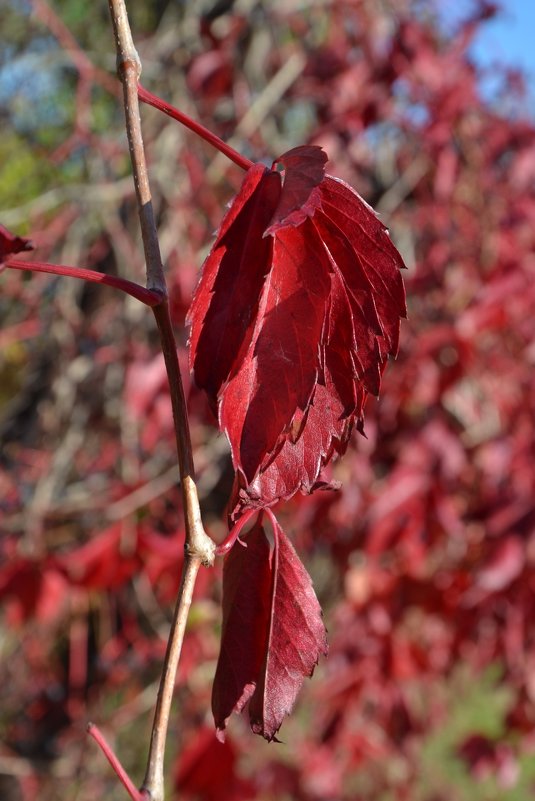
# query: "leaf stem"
(196, 127)
(112, 758)
(225, 546)
(199, 548)
(148, 296)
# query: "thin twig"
(199, 547)
(196, 127)
(147, 296)
(108, 752)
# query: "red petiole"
(224, 547)
(148, 296)
(196, 127)
(110, 755)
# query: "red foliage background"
(423, 562)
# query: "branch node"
(130, 63)
(202, 547)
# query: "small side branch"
(148, 296)
(110, 755)
(196, 127)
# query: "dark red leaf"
(225, 303)
(296, 312)
(32, 589)
(103, 562)
(247, 584)
(9, 243)
(277, 375)
(273, 632)
(304, 169)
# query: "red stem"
(148, 296)
(196, 127)
(271, 516)
(108, 752)
(224, 547)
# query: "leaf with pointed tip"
(247, 582)
(304, 169)
(296, 312)
(273, 632)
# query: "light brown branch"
(129, 70)
(153, 784)
(199, 548)
(198, 543)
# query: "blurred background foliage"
(424, 562)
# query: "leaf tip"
(10, 244)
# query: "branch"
(199, 548)
(198, 543)
(153, 783)
(129, 70)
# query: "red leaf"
(32, 589)
(273, 632)
(304, 169)
(207, 768)
(247, 583)
(278, 374)
(294, 317)
(103, 562)
(9, 243)
(504, 565)
(225, 302)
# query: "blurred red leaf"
(296, 312)
(104, 562)
(503, 566)
(207, 769)
(33, 589)
(273, 632)
(10, 243)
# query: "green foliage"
(475, 705)
(472, 706)
(24, 174)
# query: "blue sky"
(510, 36)
(507, 39)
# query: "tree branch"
(198, 543)
(153, 783)
(129, 70)
(199, 548)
